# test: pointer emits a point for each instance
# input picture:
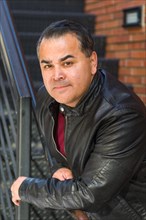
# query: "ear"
(93, 61)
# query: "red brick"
(118, 54)
(138, 72)
(133, 72)
(133, 46)
(132, 63)
(118, 39)
(133, 80)
(124, 71)
(138, 54)
(143, 80)
(138, 37)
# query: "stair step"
(34, 68)
(36, 21)
(110, 65)
(29, 41)
(49, 5)
(100, 45)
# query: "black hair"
(60, 28)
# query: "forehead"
(60, 46)
(66, 40)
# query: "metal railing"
(15, 116)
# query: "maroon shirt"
(59, 137)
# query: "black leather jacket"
(105, 142)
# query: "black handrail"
(22, 94)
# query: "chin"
(61, 101)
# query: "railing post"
(23, 149)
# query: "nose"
(58, 74)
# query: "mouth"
(60, 87)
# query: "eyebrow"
(46, 61)
(66, 57)
(61, 59)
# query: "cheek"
(48, 87)
(46, 81)
(45, 77)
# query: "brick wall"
(126, 44)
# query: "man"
(95, 130)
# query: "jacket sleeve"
(118, 151)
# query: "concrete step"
(110, 65)
(36, 21)
(49, 5)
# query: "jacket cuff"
(23, 189)
(29, 188)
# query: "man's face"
(67, 73)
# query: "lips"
(61, 86)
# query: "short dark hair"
(60, 28)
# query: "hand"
(15, 189)
(63, 174)
(79, 215)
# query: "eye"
(68, 63)
(47, 66)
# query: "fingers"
(68, 175)
(59, 176)
(15, 190)
(63, 174)
(15, 199)
(80, 215)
